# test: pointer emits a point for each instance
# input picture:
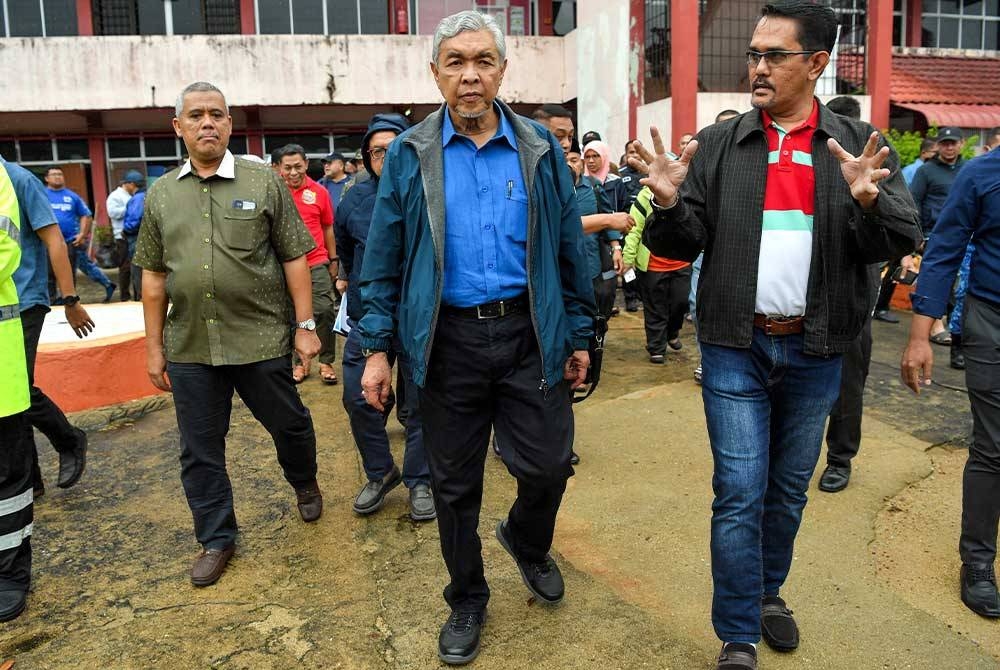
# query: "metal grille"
(115, 17)
(222, 17)
(725, 27)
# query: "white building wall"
(128, 72)
(602, 70)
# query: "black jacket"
(930, 188)
(721, 211)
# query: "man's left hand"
(79, 320)
(307, 344)
(864, 172)
(616, 259)
(78, 240)
(575, 369)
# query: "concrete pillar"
(545, 17)
(98, 178)
(914, 28)
(248, 18)
(684, 68)
(84, 18)
(879, 59)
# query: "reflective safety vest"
(13, 365)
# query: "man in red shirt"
(313, 203)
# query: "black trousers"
(843, 433)
(888, 286)
(664, 304)
(981, 481)
(203, 400)
(16, 507)
(43, 414)
(124, 268)
(482, 374)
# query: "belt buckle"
(768, 323)
(480, 315)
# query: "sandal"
(327, 374)
(299, 373)
(942, 338)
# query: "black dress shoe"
(979, 589)
(12, 603)
(543, 579)
(886, 315)
(631, 305)
(458, 642)
(73, 462)
(834, 478)
(777, 626)
(574, 458)
(737, 656)
(372, 494)
(957, 358)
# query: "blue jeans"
(368, 424)
(693, 295)
(80, 259)
(765, 408)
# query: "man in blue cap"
(334, 177)
(116, 203)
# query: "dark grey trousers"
(843, 434)
(981, 482)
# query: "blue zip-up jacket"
(350, 228)
(930, 188)
(401, 284)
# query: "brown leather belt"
(779, 325)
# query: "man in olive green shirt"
(221, 239)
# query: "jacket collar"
(429, 132)
(830, 124)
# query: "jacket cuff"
(580, 344)
(926, 306)
(376, 343)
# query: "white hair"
(468, 20)
(197, 87)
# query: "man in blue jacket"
(482, 274)
(354, 216)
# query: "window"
(45, 151)
(165, 17)
(961, 24)
(323, 17)
(316, 145)
(38, 18)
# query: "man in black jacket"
(791, 204)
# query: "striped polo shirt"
(786, 242)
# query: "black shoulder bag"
(596, 351)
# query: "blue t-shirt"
(486, 218)
(32, 275)
(68, 208)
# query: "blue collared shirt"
(486, 218)
(910, 171)
(32, 275)
(972, 210)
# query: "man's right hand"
(622, 222)
(79, 320)
(78, 240)
(665, 174)
(156, 368)
(341, 286)
(376, 382)
(916, 366)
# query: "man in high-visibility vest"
(16, 510)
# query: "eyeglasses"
(773, 58)
(377, 152)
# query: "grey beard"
(477, 115)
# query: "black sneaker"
(777, 626)
(543, 579)
(979, 589)
(109, 291)
(458, 642)
(73, 462)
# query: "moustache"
(760, 83)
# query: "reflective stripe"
(9, 227)
(17, 503)
(8, 312)
(13, 540)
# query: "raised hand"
(665, 174)
(862, 173)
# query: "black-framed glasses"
(377, 152)
(774, 58)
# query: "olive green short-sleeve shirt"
(221, 241)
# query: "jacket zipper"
(529, 262)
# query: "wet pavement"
(874, 583)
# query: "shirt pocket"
(515, 217)
(242, 229)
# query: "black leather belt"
(490, 310)
(779, 325)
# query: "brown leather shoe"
(310, 501)
(210, 564)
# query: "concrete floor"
(874, 582)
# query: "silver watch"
(308, 324)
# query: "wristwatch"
(368, 353)
(308, 324)
(70, 300)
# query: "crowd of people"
(480, 252)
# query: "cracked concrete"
(874, 583)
